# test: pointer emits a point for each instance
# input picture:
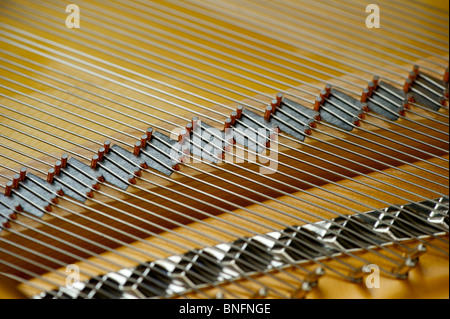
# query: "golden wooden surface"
(169, 70)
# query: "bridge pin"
(301, 292)
(274, 104)
(371, 88)
(416, 70)
(323, 94)
(89, 192)
(418, 251)
(267, 112)
(227, 124)
(23, 174)
(189, 127)
(328, 90)
(131, 179)
(137, 148)
(317, 103)
(376, 80)
(279, 98)
(239, 110)
(194, 121)
(403, 270)
(149, 133)
(219, 295)
(364, 95)
(64, 159)
(58, 167)
(94, 161)
(314, 276)
(407, 85)
(107, 145)
(50, 175)
(233, 116)
(101, 153)
(143, 140)
(15, 181)
(260, 294)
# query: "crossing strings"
(224, 149)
